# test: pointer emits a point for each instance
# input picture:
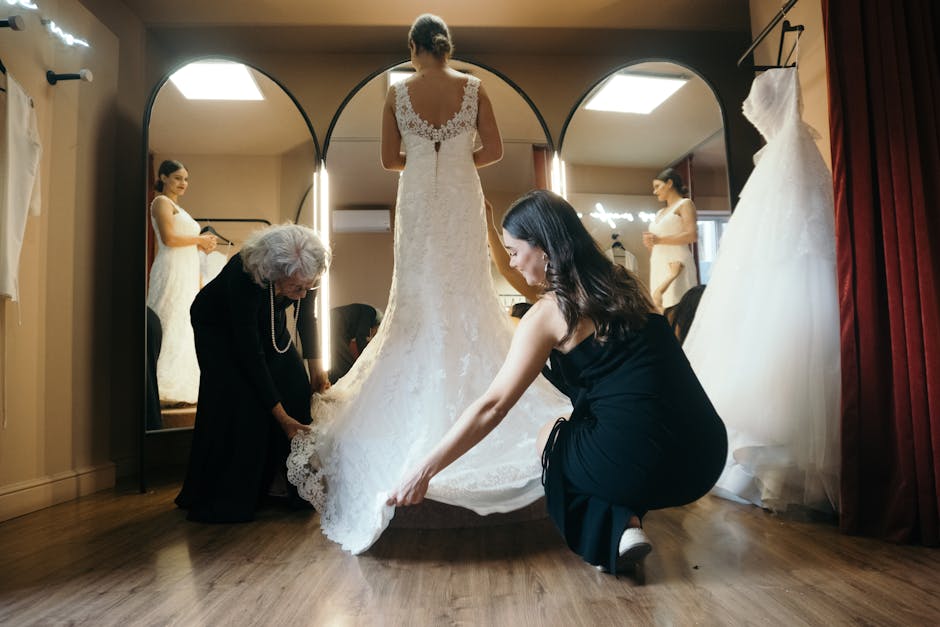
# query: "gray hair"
(284, 250)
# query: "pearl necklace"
(290, 338)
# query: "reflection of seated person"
(501, 259)
(518, 310)
(681, 315)
(154, 418)
(352, 327)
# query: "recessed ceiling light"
(634, 93)
(216, 80)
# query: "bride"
(444, 333)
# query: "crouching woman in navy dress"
(642, 435)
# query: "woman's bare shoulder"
(162, 204)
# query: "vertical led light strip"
(559, 181)
(321, 222)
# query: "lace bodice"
(465, 120)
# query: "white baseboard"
(32, 495)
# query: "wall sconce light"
(14, 21)
(83, 75)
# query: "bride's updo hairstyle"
(429, 33)
(671, 175)
(585, 282)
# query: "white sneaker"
(634, 546)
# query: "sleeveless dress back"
(174, 283)
(441, 342)
(765, 339)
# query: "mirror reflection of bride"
(444, 334)
(174, 283)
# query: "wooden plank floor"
(119, 558)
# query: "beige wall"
(231, 186)
(57, 442)
(812, 59)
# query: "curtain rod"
(779, 16)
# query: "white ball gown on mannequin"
(765, 339)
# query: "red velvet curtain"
(884, 88)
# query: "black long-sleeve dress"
(238, 446)
(642, 436)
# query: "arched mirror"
(362, 194)
(628, 128)
(249, 155)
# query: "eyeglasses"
(299, 286)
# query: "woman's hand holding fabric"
(411, 491)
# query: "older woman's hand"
(319, 381)
(292, 427)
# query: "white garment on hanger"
(20, 150)
(623, 257)
(210, 264)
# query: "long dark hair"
(682, 313)
(585, 282)
(167, 168)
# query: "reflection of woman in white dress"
(444, 332)
(174, 282)
(765, 338)
(669, 239)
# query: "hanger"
(210, 229)
(787, 27)
(616, 243)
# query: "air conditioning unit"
(361, 221)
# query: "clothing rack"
(258, 220)
(226, 240)
(782, 13)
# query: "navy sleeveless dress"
(642, 436)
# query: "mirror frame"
(621, 67)
(148, 110)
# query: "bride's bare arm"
(501, 258)
(537, 333)
(392, 157)
(492, 149)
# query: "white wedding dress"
(668, 223)
(174, 283)
(765, 338)
(441, 342)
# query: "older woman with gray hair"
(254, 393)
